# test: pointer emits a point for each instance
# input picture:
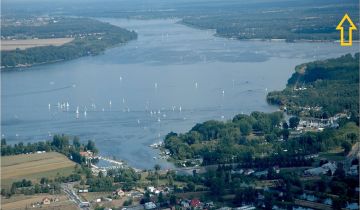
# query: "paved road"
(70, 192)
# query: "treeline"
(59, 143)
(27, 187)
(280, 22)
(91, 38)
(331, 85)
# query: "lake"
(169, 79)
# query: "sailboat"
(77, 112)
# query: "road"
(70, 192)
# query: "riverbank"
(88, 37)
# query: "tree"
(285, 125)
(161, 197)
(269, 201)
(339, 203)
(321, 185)
(271, 173)
(245, 128)
(190, 187)
(294, 122)
(76, 142)
(285, 134)
(157, 167)
(91, 146)
(340, 172)
(347, 147)
(3, 142)
(172, 199)
(128, 202)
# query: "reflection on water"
(169, 79)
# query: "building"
(324, 169)
(151, 189)
(276, 169)
(353, 170)
(149, 205)
(249, 171)
(83, 191)
(185, 204)
(84, 204)
(46, 201)
(261, 173)
(119, 192)
(194, 203)
(86, 154)
(247, 207)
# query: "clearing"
(34, 167)
(22, 44)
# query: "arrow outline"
(341, 28)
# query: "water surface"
(168, 79)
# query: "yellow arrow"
(341, 28)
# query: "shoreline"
(21, 67)
(262, 39)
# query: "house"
(237, 171)
(151, 189)
(307, 157)
(84, 204)
(119, 192)
(83, 191)
(136, 194)
(185, 204)
(86, 154)
(209, 205)
(330, 166)
(353, 170)
(249, 171)
(261, 173)
(195, 203)
(276, 169)
(149, 205)
(46, 201)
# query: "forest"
(91, 38)
(271, 21)
(331, 85)
(256, 140)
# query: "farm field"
(7, 45)
(34, 167)
(22, 202)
